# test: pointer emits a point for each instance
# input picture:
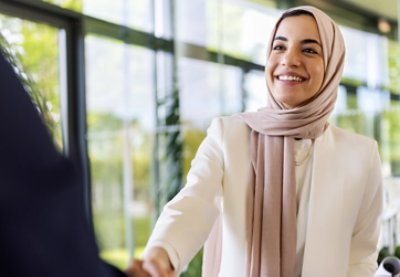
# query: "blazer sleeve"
(186, 220)
(364, 243)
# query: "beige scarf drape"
(272, 199)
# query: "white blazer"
(345, 203)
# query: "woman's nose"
(290, 58)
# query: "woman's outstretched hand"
(155, 264)
(135, 269)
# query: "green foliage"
(106, 172)
(351, 82)
(169, 149)
(194, 268)
(354, 121)
(394, 66)
(397, 251)
(101, 122)
(106, 145)
(118, 257)
(142, 170)
(110, 231)
(36, 67)
(352, 101)
(391, 128)
(113, 248)
(142, 228)
(106, 149)
(383, 253)
(76, 5)
(191, 141)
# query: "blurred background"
(128, 88)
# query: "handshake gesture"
(155, 264)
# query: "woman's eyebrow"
(309, 40)
(304, 41)
(280, 38)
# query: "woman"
(290, 194)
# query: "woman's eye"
(310, 51)
(278, 47)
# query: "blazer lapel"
(325, 212)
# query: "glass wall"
(120, 117)
(368, 104)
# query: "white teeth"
(290, 78)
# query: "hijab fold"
(271, 208)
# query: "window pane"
(120, 106)
(256, 90)
(207, 90)
(209, 23)
(366, 57)
(25, 40)
(133, 13)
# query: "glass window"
(207, 90)
(120, 107)
(256, 90)
(137, 14)
(244, 37)
(210, 24)
(366, 57)
(371, 76)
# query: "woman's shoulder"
(230, 123)
(230, 130)
(350, 137)
(347, 149)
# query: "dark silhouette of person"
(43, 228)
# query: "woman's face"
(295, 66)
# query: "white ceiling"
(385, 8)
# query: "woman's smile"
(289, 77)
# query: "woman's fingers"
(158, 267)
(154, 266)
(135, 269)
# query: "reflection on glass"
(25, 40)
(120, 110)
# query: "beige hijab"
(272, 199)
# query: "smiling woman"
(267, 207)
